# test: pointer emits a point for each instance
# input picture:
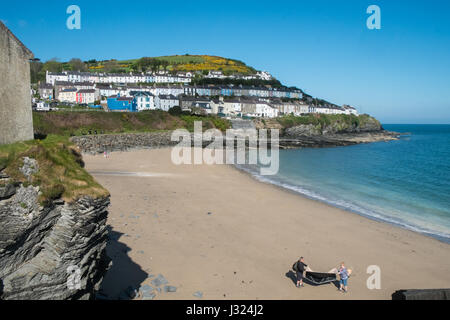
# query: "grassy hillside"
(68, 123)
(61, 173)
(193, 63)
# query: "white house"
(231, 107)
(349, 109)
(166, 102)
(265, 110)
(264, 75)
(42, 106)
(85, 96)
(215, 74)
(68, 95)
(144, 101)
(301, 108)
(51, 77)
(46, 91)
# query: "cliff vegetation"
(331, 123)
(68, 123)
(56, 167)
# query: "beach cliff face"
(371, 125)
(335, 133)
(52, 247)
(43, 249)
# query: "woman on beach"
(299, 268)
(343, 274)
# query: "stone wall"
(16, 120)
(121, 142)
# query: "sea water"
(404, 182)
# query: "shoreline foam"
(367, 213)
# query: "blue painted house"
(203, 91)
(226, 91)
(118, 103)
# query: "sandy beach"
(216, 230)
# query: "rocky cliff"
(330, 130)
(52, 235)
(338, 125)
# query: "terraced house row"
(249, 107)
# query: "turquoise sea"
(405, 182)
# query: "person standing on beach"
(343, 274)
(299, 268)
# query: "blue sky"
(399, 74)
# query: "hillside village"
(164, 90)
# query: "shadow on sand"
(123, 273)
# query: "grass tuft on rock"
(61, 173)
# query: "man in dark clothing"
(299, 267)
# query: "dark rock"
(170, 289)
(7, 191)
(295, 137)
(159, 280)
(146, 288)
(30, 167)
(55, 252)
(148, 296)
(101, 296)
(427, 294)
(131, 292)
(95, 144)
(124, 296)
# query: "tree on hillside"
(77, 65)
(39, 69)
(165, 64)
(53, 65)
(135, 67)
(155, 64)
(110, 65)
(145, 63)
(175, 111)
(36, 71)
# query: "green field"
(61, 173)
(182, 59)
